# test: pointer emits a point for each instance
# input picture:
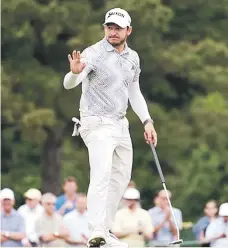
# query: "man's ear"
(129, 30)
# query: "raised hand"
(76, 65)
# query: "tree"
(183, 50)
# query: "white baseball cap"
(131, 194)
(33, 194)
(223, 209)
(119, 17)
(7, 194)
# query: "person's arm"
(117, 229)
(63, 232)
(159, 226)
(48, 237)
(19, 233)
(3, 238)
(80, 67)
(44, 237)
(214, 231)
(139, 106)
(138, 102)
(136, 98)
(148, 228)
(17, 236)
(172, 227)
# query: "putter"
(178, 241)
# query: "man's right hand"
(167, 213)
(76, 65)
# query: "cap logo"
(115, 13)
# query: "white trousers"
(110, 157)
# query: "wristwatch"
(6, 234)
(147, 121)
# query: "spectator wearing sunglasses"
(49, 226)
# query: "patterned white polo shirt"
(109, 80)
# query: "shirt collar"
(110, 48)
(32, 209)
(13, 212)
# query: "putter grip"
(157, 163)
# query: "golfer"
(109, 71)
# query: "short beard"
(119, 43)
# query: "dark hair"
(212, 201)
(69, 180)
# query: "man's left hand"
(150, 134)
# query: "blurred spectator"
(49, 226)
(217, 231)
(210, 211)
(77, 222)
(156, 200)
(133, 224)
(162, 220)
(12, 223)
(30, 211)
(131, 184)
(67, 202)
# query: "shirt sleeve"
(71, 80)
(213, 230)
(178, 216)
(136, 98)
(148, 227)
(38, 228)
(153, 218)
(21, 224)
(117, 223)
(20, 210)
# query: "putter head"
(176, 242)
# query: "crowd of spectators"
(48, 220)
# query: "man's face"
(116, 35)
(70, 187)
(7, 205)
(131, 203)
(211, 209)
(163, 201)
(225, 218)
(32, 203)
(81, 204)
(156, 201)
(49, 206)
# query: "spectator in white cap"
(133, 224)
(217, 231)
(12, 223)
(30, 211)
